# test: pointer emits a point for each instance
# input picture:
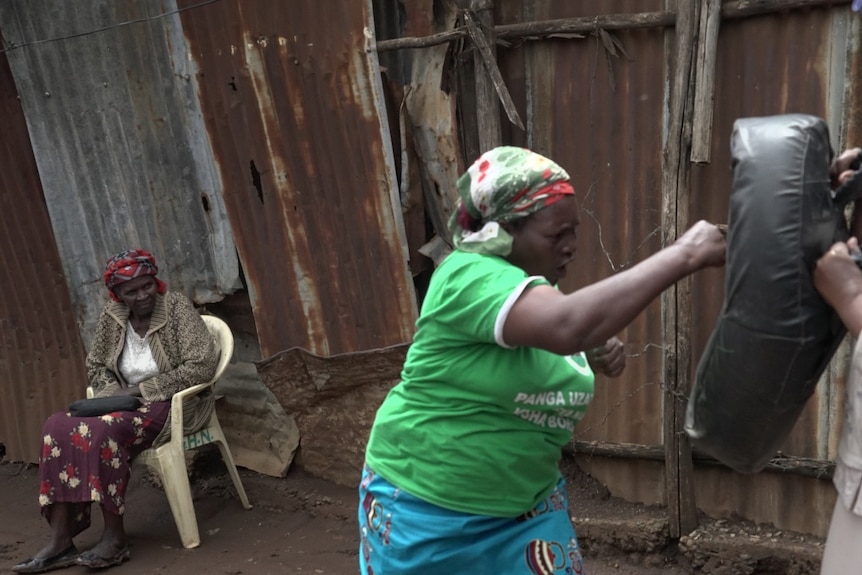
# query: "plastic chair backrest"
(224, 337)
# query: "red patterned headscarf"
(128, 265)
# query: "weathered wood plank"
(816, 468)
(490, 65)
(585, 25)
(704, 89)
(676, 301)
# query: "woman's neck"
(140, 323)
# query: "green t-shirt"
(474, 425)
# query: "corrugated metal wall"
(295, 112)
(109, 93)
(41, 355)
(198, 130)
(604, 118)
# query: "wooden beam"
(704, 88)
(676, 301)
(746, 8)
(816, 468)
(589, 24)
(585, 25)
(422, 42)
(493, 70)
(541, 29)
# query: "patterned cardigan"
(183, 349)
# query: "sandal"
(65, 558)
(93, 561)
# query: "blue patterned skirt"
(403, 535)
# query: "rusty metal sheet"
(110, 97)
(41, 355)
(763, 498)
(603, 118)
(294, 110)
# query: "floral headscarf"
(504, 184)
(128, 265)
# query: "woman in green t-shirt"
(461, 468)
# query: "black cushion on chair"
(102, 405)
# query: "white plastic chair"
(169, 460)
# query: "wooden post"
(676, 301)
(704, 90)
(487, 101)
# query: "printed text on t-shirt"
(558, 418)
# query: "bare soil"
(301, 524)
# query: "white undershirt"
(136, 360)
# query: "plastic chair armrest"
(177, 408)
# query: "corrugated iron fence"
(216, 134)
(256, 146)
(629, 119)
(637, 100)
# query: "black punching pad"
(775, 334)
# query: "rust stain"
(315, 227)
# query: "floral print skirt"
(88, 459)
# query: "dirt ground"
(301, 524)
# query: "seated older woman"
(149, 343)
